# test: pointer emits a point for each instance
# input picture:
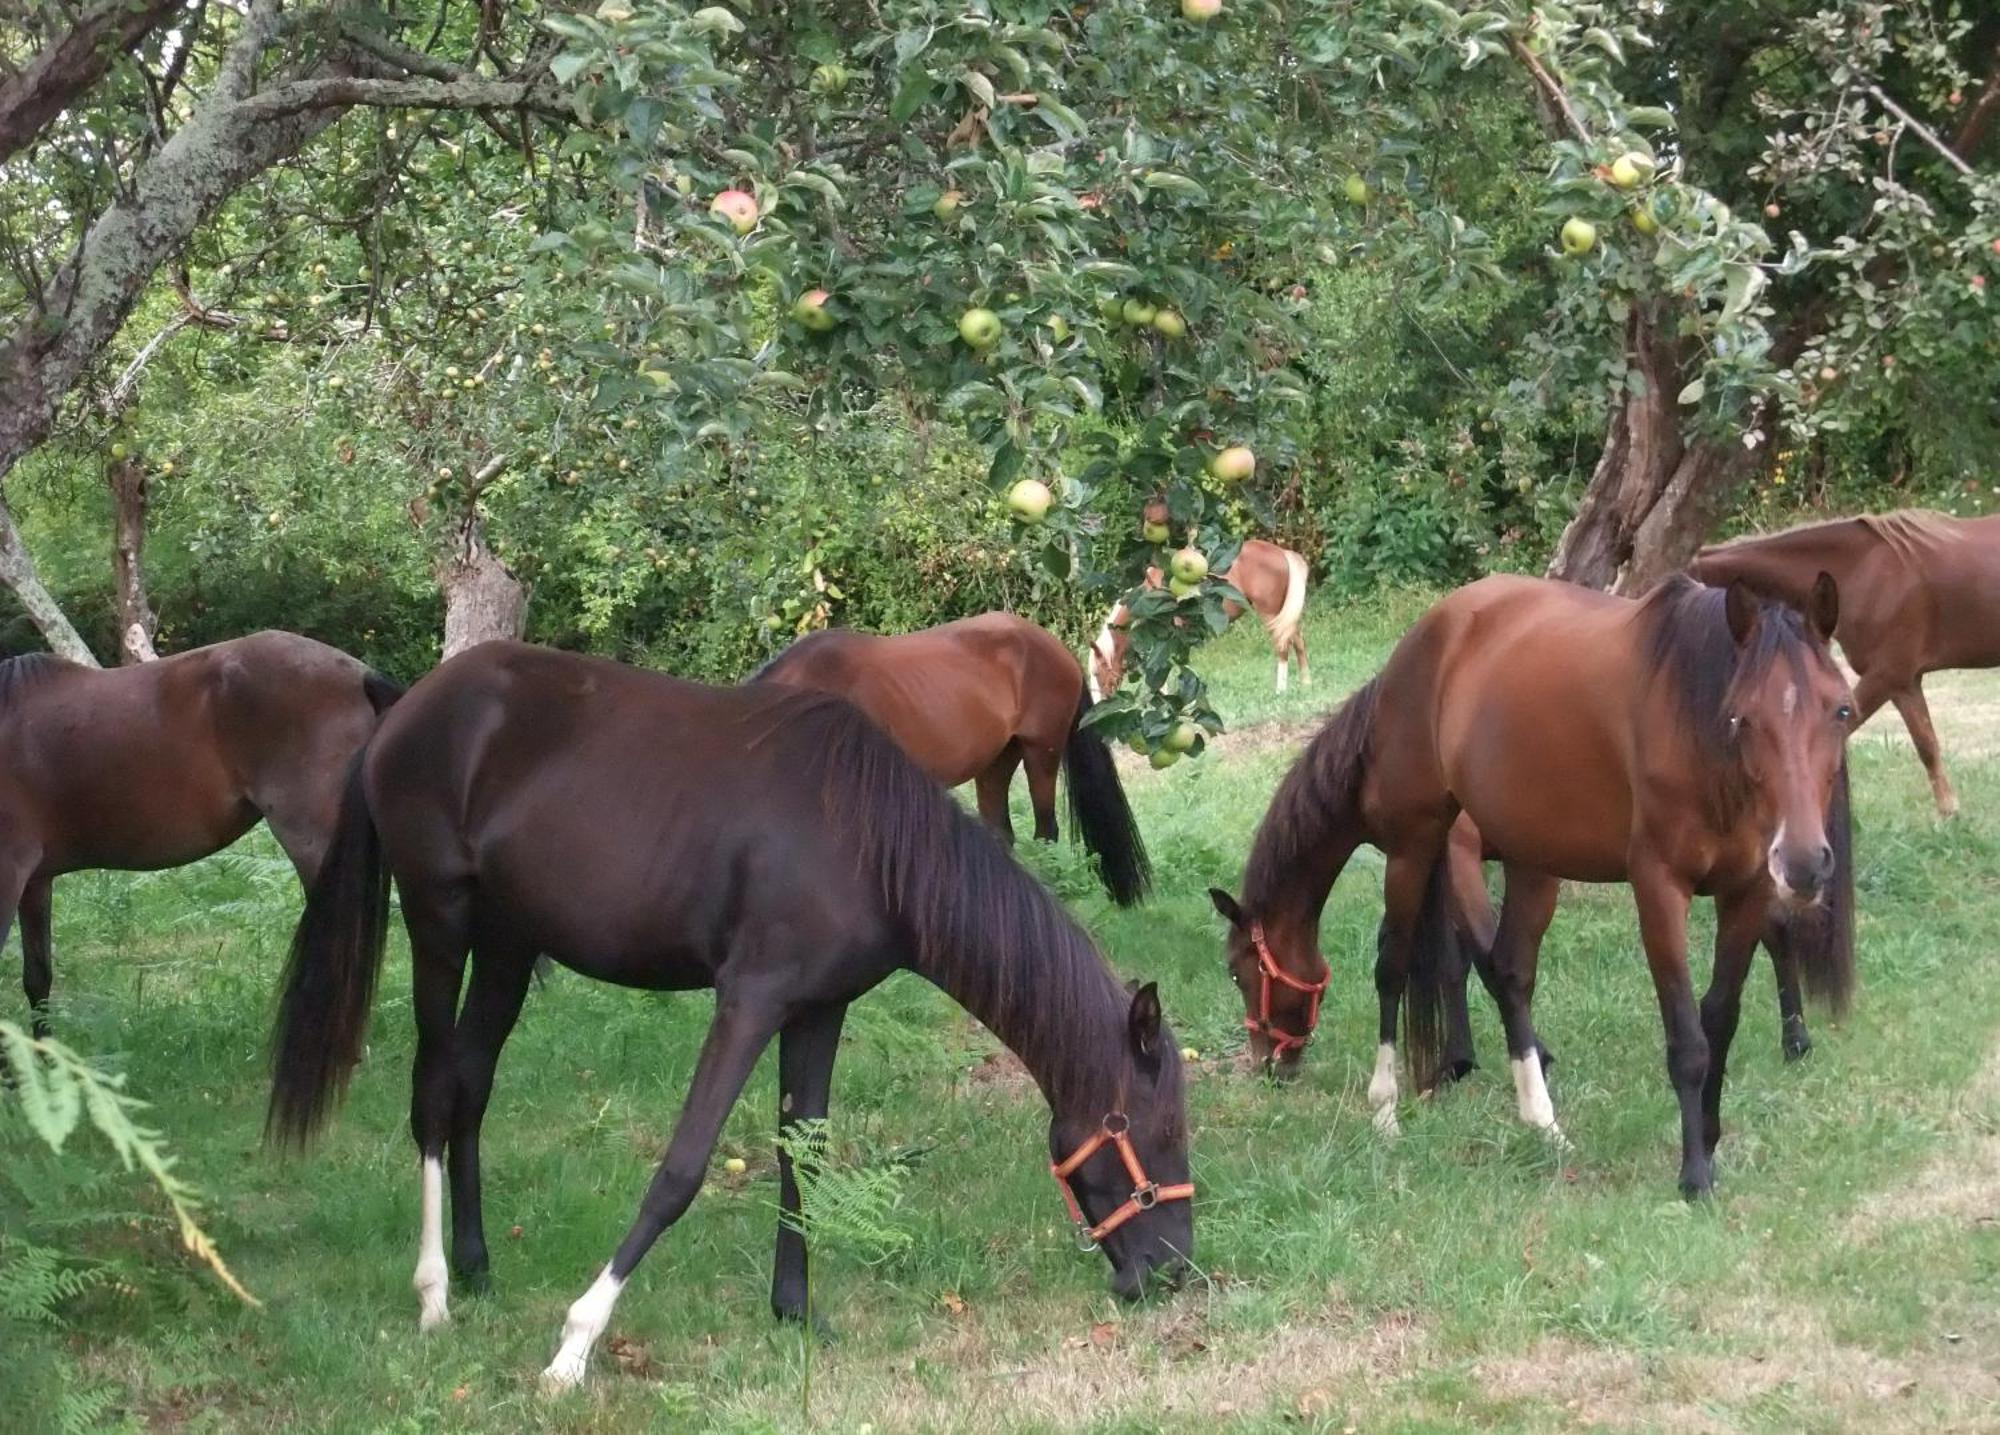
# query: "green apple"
(1164, 757)
(1138, 311)
(946, 205)
(1183, 738)
(1182, 589)
(1643, 221)
(1233, 464)
(1579, 236)
(1111, 309)
(1357, 189)
(736, 207)
(1200, 12)
(811, 311)
(1631, 169)
(1156, 532)
(1030, 500)
(981, 328)
(1170, 323)
(1190, 565)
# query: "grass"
(1463, 1276)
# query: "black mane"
(1691, 648)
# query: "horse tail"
(1822, 936)
(329, 981)
(1437, 968)
(1283, 625)
(381, 692)
(1100, 815)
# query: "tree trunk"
(483, 600)
(17, 571)
(136, 621)
(1653, 496)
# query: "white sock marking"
(1531, 1092)
(1284, 674)
(1382, 1089)
(587, 1319)
(433, 1278)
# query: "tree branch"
(33, 97)
(1923, 131)
(1553, 91)
(345, 91)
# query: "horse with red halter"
(1271, 578)
(162, 764)
(771, 844)
(973, 700)
(1691, 742)
(1919, 592)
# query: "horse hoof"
(1456, 1070)
(823, 1333)
(1798, 1050)
(565, 1373)
(1548, 1059)
(477, 1280)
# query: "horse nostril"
(1826, 861)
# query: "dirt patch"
(1167, 1369)
(1960, 1186)
(1283, 735)
(1965, 708)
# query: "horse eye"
(1843, 713)
(1735, 724)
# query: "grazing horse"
(1688, 743)
(162, 764)
(771, 844)
(1274, 581)
(973, 700)
(1919, 592)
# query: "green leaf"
(1693, 392)
(715, 20)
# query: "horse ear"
(1823, 609)
(1144, 1019)
(1226, 905)
(1740, 607)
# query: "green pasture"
(1464, 1276)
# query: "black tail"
(330, 979)
(381, 692)
(1099, 813)
(1821, 937)
(1437, 970)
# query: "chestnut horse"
(973, 700)
(771, 844)
(1688, 743)
(1919, 592)
(162, 764)
(1273, 579)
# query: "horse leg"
(1738, 924)
(37, 956)
(1405, 884)
(1284, 669)
(1472, 919)
(1662, 901)
(1917, 718)
(991, 787)
(806, 1048)
(1043, 763)
(500, 972)
(1791, 1005)
(439, 922)
(1299, 652)
(1526, 910)
(742, 1028)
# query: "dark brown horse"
(1690, 743)
(1271, 578)
(158, 765)
(972, 701)
(771, 844)
(1919, 592)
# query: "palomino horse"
(771, 844)
(1272, 578)
(1691, 742)
(973, 700)
(1918, 592)
(154, 766)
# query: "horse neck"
(1059, 1010)
(1787, 563)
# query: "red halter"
(1145, 1195)
(1270, 971)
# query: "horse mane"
(978, 925)
(1909, 531)
(22, 674)
(1316, 796)
(1689, 645)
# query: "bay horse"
(973, 700)
(153, 766)
(1919, 592)
(771, 844)
(1272, 578)
(1692, 742)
